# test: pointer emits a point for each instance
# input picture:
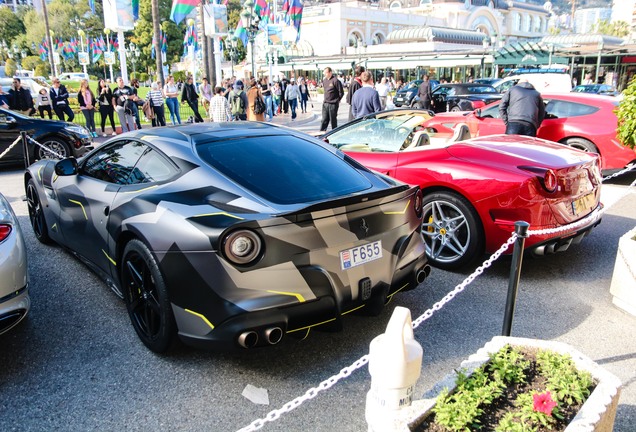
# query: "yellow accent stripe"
(390, 296)
(55, 178)
(298, 296)
(400, 212)
(353, 310)
(79, 204)
(141, 190)
(219, 214)
(109, 258)
(310, 326)
(202, 317)
(54, 226)
(40, 172)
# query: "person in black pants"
(105, 98)
(283, 88)
(134, 84)
(189, 94)
(333, 93)
(59, 100)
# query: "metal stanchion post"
(521, 229)
(25, 146)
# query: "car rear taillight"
(242, 247)
(550, 181)
(5, 230)
(417, 205)
(478, 104)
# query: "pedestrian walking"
(283, 88)
(105, 99)
(383, 91)
(20, 99)
(238, 101)
(522, 109)
(304, 94)
(156, 96)
(254, 93)
(354, 85)
(207, 93)
(266, 91)
(276, 97)
(426, 93)
(59, 101)
(366, 99)
(190, 96)
(220, 110)
(171, 91)
(333, 93)
(292, 94)
(134, 85)
(122, 103)
(86, 100)
(43, 103)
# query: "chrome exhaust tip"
(248, 339)
(273, 335)
(422, 274)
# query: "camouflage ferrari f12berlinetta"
(231, 235)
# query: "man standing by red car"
(522, 109)
(333, 93)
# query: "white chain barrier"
(47, 149)
(362, 361)
(15, 143)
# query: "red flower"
(543, 402)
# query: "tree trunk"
(157, 40)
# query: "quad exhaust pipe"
(249, 339)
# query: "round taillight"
(5, 230)
(550, 181)
(242, 247)
(417, 204)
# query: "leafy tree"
(10, 67)
(10, 25)
(616, 28)
(626, 114)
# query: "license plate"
(584, 203)
(360, 255)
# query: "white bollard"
(395, 363)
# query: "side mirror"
(66, 167)
(10, 121)
(478, 112)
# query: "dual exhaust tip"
(422, 274)
(249, 339)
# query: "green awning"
(526, 54)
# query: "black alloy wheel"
(146, 298)
(36, 214)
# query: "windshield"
(387, 134)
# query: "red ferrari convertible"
(475, 190)
(582, 121)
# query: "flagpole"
(110, 65)
(122, 55)
(47, 29)
(80, 32)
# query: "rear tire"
(146, 298)
(451, 230)
(581, 144)
(36, 214)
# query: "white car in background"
(73, 76)
(543, 82)
(14, 281)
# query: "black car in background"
(65, 139)
(405, 96)
(461, 97)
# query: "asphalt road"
(76, 364)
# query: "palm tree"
(156, 29)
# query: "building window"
(377, 39)
(355, 39)
(516, 22)
(395, 5)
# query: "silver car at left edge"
(14, 280)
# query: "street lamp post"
(81, 34)
(250, 23)
(134, 55)
(110, 63)
(233, 49)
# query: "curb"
(297, 122)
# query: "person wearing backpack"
(255, 103)
(238, 101)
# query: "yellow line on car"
(219, 214)
(109, 258)
(40, 173)
(202, 317)
(82, 206)
(298, 296)
(310, 326)
(141, 190)
(390, 296)
(400, 212)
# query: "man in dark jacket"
(522, 109)
(354, 85)
(366, 100)
(59, 101)
(425, 93)
(333, 93)
(20, 99)
(189, 94)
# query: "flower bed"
(529, 386)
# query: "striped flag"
(296, 15)
(181, 9)
(135, 9)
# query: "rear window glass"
(481, 89)
(564, 109)
(283, 169)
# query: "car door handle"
(106, 210)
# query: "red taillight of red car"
(5, 230)
(546, 176)
(478, 104)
